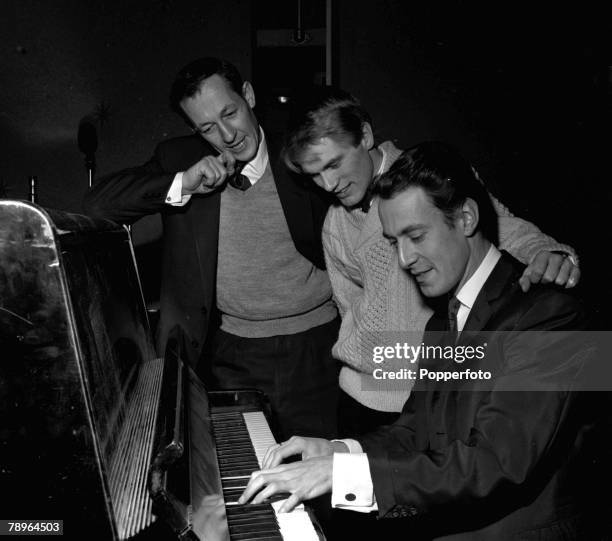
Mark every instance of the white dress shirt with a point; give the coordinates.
(253, 170)
(352, 486)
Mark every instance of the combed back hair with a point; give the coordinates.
(447, 179)
(189, 79)
(322, 112)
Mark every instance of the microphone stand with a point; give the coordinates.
(88, 144)
(90, 165)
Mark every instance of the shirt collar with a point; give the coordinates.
(470, 290)
(255, 169)
(366, 202)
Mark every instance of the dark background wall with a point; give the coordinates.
(525, 92)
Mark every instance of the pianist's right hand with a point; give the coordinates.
(306, 447)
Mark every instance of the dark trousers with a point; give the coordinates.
(355, 419)
(297, 373)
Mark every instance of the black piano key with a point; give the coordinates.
(240, 451)
(237, 456)
(234, 483)
(268, 534)
(237, 461)
(245, 459)
(275, 537)
(249, 509)
(230, 444)
(254, 528)
(256, 524)
(246, 447)
(232, 495)
(232, 437)
(236, 473)
(234, 466)
(246, 462)
(256, 518)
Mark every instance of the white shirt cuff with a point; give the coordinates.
(174, 196)
(352, 487)
(353, 445)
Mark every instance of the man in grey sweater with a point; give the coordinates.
(243, 266)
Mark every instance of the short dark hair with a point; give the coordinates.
(189, 79)
(318, 112)
(447, 179)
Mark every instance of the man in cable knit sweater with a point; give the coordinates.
(331, 140)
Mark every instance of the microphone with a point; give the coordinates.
(87, 139)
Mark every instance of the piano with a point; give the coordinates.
(96, 429)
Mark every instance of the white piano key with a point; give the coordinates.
(259, 432)
(296, 525)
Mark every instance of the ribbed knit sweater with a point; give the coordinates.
(380, 304)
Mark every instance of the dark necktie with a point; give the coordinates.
(238, 180)
(366, 202)
(453, 308)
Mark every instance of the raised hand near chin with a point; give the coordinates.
(208, 174)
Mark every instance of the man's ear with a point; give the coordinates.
(367, 137)
(469, 217)
(248, 94)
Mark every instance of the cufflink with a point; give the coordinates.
(350, 497)
(168, 198)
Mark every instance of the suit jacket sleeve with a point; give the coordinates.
(135, 192)
(514, 434)
(130, 194)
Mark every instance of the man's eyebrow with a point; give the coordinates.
(411, 228)
(325, 165)
(227, 107)
(221, 113)
(331, 161)
(407, 230)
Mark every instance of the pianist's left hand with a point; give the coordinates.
(305, 480)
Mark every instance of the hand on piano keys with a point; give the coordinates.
(296, 445)
(304, 480)
(263, 517)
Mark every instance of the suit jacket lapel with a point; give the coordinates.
(303, 216)
(297, 209)
(504, 275)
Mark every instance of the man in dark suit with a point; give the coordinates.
(243, 267)
(496, 440)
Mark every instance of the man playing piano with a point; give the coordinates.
(498, 458)
(241, 241)
(331, 140)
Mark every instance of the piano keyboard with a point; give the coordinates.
(241, 441)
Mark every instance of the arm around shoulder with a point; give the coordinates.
(523, 239)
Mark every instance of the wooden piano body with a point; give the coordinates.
(95, 429)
